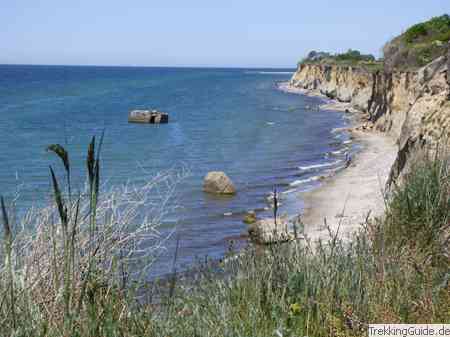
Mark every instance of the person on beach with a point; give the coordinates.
(348, 160)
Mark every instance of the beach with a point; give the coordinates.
(345, 200)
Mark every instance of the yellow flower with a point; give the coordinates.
(295, 308)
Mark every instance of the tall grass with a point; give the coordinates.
(79, 282)
(76, 267)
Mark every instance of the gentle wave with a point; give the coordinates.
(304, 181)
(342, 151)
(315, 166)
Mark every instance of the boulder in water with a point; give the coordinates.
(217, 182)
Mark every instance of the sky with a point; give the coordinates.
(200, 33)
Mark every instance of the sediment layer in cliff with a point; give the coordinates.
(412, 107)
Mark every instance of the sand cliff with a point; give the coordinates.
(411, 107)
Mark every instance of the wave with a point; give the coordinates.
(304, 181)
(316, 166)
(343, 151)
(339, 130)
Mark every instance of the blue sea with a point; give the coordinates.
(232, 120)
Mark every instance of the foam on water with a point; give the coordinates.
(304, 181)
(316, 166)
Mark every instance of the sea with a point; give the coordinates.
(233, 120)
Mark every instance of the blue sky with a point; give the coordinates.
(245, 33)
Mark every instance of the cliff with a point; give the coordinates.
(413, 107)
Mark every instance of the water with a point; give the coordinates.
(232, 120)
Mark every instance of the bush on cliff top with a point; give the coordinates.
(350, 57)
(437, 28)
(353, 58)
(419, 45)
(416, 47)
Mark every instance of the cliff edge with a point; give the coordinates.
(411, 106)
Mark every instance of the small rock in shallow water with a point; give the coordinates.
(250, 218)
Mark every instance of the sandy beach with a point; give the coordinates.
(345, 200)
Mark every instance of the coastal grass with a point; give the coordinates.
(77, 266)
(395, 270)
(75, 275)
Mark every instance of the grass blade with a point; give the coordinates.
(59, 201)
(8, 261)
(61, 152)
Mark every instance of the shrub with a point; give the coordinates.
(419, 45)
(434, 27)
(415, 32)
(351, 57)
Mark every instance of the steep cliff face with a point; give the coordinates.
(345, 84)
(411, 107)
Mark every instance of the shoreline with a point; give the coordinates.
(345, 200)
(331, 104)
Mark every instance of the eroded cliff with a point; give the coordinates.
(412, 107)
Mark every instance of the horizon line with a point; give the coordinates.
(147, 66)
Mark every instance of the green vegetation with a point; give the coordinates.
(354, 56)
(74, 268)
(74, 276)
(396, 270)
(350, 58)
(436, 29)
(419, 45)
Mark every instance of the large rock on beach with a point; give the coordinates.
(265, 231)
(217, 182)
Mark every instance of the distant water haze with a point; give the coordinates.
(232, 120)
